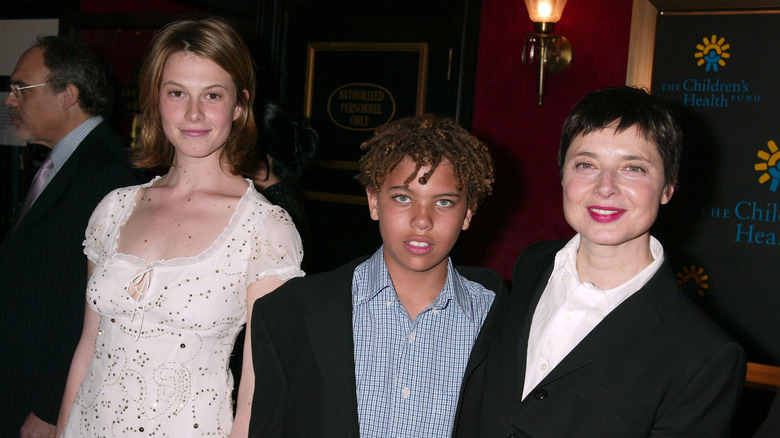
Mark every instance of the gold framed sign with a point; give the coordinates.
(351, 90)
(354, 88)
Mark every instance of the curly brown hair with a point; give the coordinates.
(426, 140)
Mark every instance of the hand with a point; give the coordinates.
(34, 427)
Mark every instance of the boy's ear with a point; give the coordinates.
(373, 207)
(467, 220)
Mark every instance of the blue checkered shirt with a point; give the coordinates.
(408, 373)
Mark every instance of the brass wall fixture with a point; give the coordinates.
(552, 53)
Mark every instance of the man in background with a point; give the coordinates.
(58, 98)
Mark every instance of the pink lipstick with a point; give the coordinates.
(605, 214)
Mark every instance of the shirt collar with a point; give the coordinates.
(566, 259)
(374, 276)
(456, 290)
(65, 147)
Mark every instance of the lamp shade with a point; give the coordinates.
(545, 11)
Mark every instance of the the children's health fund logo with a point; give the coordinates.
(756, 222)
(707, 89)
(769, 166)
(712, 53)
(693, 281)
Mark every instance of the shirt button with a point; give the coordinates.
(406, 392)
(388, 303)
(435, 311)
(543, 366)
(411, 337)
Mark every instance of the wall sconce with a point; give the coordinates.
(552, 52)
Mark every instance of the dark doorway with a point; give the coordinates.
(340, 227)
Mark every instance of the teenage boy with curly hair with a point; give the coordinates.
(378, 347)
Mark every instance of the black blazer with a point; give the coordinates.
(303, 355)
(656, 366)
(770, 428)
(43, 273)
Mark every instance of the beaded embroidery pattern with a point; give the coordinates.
(161, 359)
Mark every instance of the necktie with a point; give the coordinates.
(36, 187)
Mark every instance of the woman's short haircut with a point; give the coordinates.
(624, 107)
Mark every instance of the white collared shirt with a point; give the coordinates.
(68, 144)
(569, 309)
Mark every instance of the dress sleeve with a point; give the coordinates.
(99, 227)
(277, 248)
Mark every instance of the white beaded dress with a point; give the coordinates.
(161, 360)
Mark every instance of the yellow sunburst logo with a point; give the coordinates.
(712, 52)
(693, 280)
(769, 166)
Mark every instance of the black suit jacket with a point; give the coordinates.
(43, 273)
(656, 366)
(303, 355)
(770, 428)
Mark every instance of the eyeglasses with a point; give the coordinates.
(17, 89)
